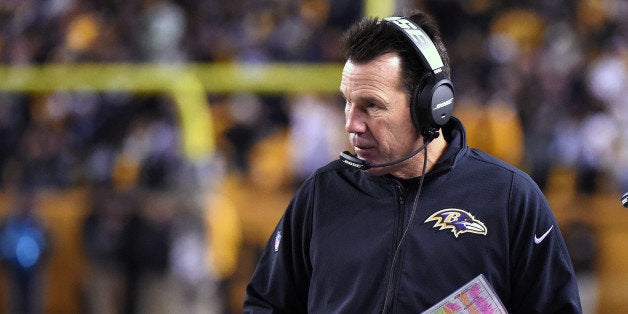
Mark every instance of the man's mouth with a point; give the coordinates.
(361, 148)
(363, 152)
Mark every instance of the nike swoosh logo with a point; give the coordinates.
(540, 239)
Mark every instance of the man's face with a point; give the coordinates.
(377, 113)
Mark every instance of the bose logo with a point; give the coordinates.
(444, 103)
(354, 164)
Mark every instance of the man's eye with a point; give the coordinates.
(372, 106)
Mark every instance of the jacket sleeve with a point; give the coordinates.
(281, 279)
(542, 275)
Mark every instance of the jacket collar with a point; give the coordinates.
(456, 136)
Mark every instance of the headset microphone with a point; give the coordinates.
(356, 162)
(624, 200)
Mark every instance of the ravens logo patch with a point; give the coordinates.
(458, 221)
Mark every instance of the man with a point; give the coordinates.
(372, 234)
(24, 250)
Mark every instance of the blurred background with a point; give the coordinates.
(148, 147)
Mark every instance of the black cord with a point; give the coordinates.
(394, 162)
(403, 235)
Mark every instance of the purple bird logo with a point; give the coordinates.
(457, 220)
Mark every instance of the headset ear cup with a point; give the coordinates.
(441, 103)
(432, 106)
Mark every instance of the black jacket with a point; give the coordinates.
(332, 251)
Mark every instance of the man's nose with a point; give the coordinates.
(354, 121)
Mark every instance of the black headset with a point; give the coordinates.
(432, 102)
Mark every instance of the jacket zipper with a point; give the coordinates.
(395, 269)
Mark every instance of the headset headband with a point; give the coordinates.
(422, 43)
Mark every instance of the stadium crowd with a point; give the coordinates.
(542, 84)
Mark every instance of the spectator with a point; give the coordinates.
(24, 246)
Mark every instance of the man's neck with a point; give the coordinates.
(414, 166)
